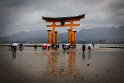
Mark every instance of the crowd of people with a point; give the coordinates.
(53, 46)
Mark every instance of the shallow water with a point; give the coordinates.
(102, 65)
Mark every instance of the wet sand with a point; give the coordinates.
(102, 65)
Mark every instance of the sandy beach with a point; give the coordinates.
(102, 65)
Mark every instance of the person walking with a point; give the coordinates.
(83, 48)
(89, 48)
(93, 45)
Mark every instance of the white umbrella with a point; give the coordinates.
(67, 44)
(15, 44)
(48, 44)
(89, 45)
(44, 44)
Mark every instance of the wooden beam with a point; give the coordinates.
(66, 25)
(66, 20)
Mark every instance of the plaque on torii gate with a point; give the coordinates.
(52, 37)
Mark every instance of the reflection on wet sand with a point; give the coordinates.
(52, 63)
(88, 56)
(14, 51)
(60, 63)
(58, 68)
(83, 56)
(71, 62)
(14, 54)
(69, 66)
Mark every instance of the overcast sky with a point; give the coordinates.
(26, 15)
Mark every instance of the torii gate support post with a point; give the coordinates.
(72, 33)
(56, 37)
(53, 33)
(74, 37)
(49, 36)
(69, 36)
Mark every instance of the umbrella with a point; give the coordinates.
(89, 45)
(67, 44)
(48, 44)
(44, 44)
(15, 44)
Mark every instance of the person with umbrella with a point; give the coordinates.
(89, 48)
(14, 46)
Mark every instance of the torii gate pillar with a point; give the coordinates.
(49, 36)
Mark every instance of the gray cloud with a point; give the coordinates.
(25, 15)
(11, 3)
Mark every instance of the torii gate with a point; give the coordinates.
(53, 37)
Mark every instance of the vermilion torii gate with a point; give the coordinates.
(53, 37)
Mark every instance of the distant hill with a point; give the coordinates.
(23, 36)
(109, 33)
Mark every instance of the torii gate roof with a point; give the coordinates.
(59, 19)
